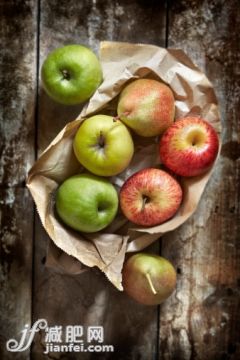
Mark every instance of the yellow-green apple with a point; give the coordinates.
(189, 146)
(71, 74)
(149, 279)
(150, 196)
(146, 106)
(103, 145)
(86, 202)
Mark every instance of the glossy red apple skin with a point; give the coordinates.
(150, 197)
(148, 278)
(189, 147)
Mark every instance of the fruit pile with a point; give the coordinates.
(104, 146)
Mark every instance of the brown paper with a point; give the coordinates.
(121, 62)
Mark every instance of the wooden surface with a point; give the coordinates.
(201, 319)
(18, 58)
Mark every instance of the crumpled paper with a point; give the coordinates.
(73, 252)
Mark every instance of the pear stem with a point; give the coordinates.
(150, 283)
(116, 118)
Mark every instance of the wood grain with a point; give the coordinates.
(16, 235)
(17, 94)
(201, 320)
(17, 90)
(89, 299)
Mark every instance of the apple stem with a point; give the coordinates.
(151, 284)
(66, 74)
(101, 139)
(145, 200)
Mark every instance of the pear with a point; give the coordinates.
(149, 279)
(147, 107)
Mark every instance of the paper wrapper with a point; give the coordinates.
(121, 62)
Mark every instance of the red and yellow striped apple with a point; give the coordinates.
(150, 197)
(147, 107)
(189, 146)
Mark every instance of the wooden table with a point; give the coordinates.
(201, 320)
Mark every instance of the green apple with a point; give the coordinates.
(103, 145)
(71, 74)
(149, 279)
(86, 202)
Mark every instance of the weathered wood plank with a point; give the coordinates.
(16, 234)
(202, 320)
(17, 89)
(17, 94)
(89, 299)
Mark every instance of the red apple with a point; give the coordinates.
(150, 197)
(149, 279)
(189, 146)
